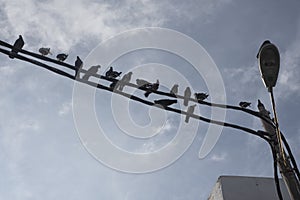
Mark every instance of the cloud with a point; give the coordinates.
(162, 138)
(201, 11)
(218, 157)
(65, 108)
(289, 75)
(63, 24)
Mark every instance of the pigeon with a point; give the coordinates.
(244, 104)
(189, 111)
(187, 95)
(91, 71)
(263, 110)
(112, 74)
(61, 57)
(263, 44)
(266, 114)
(201, 96)
(78, 65)
(143, 83)
(165, 102)
(45, 51)
(18, 45)
(152, 87)
(174, 90)
(125, 79)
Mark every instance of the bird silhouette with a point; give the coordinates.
(45, 51)
(143, 83)
(152, 87)
(125, 79)
(18, 45)
(111, 73)
(244, 104)
(78, 65)
(61, 57)
(189, 111)
(91, 71)
(263, 110)
(174, 90)
(165, 102)
(187, 95)
(201, 96)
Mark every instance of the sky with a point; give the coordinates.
(41, 149)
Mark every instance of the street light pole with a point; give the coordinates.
(269, 63)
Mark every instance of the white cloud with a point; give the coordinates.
(62, 24)
(65, 108)
(289, 76)
(218, 157)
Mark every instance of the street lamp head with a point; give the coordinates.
(269, 62)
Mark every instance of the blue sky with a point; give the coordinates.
(41, 154)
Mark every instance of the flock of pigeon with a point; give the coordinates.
(119, 85)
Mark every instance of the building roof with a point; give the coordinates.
(246, 188)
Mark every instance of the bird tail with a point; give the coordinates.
(120, 86)
(185, 102)
(147, 93)
(85, 77)
(187, 118)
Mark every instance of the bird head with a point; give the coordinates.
(259, 104)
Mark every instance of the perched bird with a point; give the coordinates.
(244, 104)
(189, 111)
(18, 45)
(143, 83)
(165, 102)
(174, 90)
(91, 71)
(78, 65)
(152, 87)
(45, 51)
(112, 74)
(187, 95)
(61, 57)
(267, 122)
(201, 96)
(263, 110)
(125, 79)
